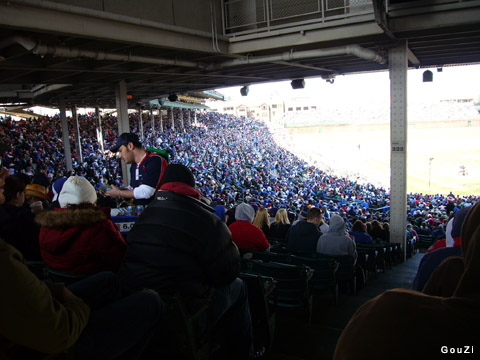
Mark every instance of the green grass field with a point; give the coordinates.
(367, 153)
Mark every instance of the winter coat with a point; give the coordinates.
(18, 228)
(179, 245)
(303, 236)
(30, 314)
(80, 241)
(361, 237)
(279, 230)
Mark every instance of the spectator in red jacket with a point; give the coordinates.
(246, 235)
(79, 238)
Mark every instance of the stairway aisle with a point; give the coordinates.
(297, 340)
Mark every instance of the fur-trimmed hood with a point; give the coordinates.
(63, 218)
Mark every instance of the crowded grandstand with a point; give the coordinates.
(233, 159)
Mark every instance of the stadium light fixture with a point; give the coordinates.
(244, 90)
(427, 76)
(298, 84)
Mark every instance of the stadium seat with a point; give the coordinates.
(266, 256)
(370, 256)
(345, 274)
(323, 279)
(188, 330)
(276, 240)
(63, 277)
(292, 288)
(424, 241)
(263, 315)
(38, 268)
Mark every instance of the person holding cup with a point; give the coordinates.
(36, 197)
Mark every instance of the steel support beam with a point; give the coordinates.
(172, 119)
(398, 63)
(123, 123)
(140, 119)
(78, 140)
(152, 121)
(160, 115)
(98, 119)
(265, 41)
(65, 136)
(116, 28)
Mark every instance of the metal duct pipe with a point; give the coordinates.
(355, 50)
(62, 51)
(26, 42)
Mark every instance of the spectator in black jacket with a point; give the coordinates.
(179, 245)
(304, 235)
(280, 226)
(17, 222)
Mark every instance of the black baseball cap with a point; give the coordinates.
(124, 139)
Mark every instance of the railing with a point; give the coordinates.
(253, 16)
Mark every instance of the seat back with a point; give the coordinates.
(324, 271)
(187, 330)
(263, 316)
(424, 241)
(292, 289)
(38, 268)
(63, 277)
(267, 256)
(276, 240)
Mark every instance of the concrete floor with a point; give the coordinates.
(295, 339)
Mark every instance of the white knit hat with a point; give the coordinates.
(77, 190)
(245, 212)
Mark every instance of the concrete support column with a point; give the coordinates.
(182, 115)
(172, 119)
(65, 136)
(98, 119)
(188, 117)
(123, 123)
(398, 62)
(78, 140)
(195, 115)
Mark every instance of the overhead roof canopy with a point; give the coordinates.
(51, 49)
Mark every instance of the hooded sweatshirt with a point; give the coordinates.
(401, 322)
(335, 241)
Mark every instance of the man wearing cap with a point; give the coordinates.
(145, 172)
(178, 245)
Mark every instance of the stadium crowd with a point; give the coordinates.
(331, 114)
(233, 160)
(235, 165)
